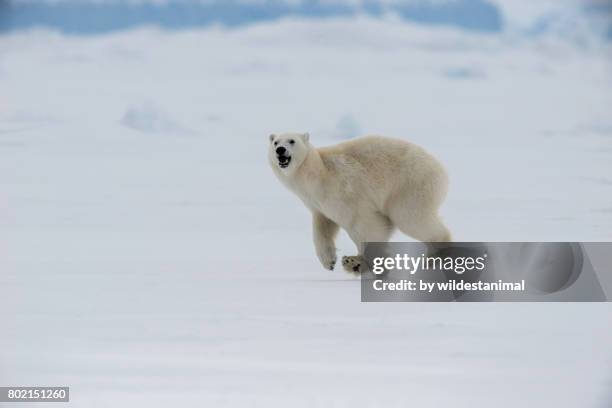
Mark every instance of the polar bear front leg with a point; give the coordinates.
(369, 228)
(324, 234)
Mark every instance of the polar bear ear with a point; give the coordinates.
(272, 136)
(305, 136)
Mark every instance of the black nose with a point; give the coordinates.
(280, 150)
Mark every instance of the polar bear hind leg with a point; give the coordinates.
(423, 225)
(414, 209)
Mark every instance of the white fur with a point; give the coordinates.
(367, 186)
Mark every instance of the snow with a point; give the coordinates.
(151, 120)
(149, 257)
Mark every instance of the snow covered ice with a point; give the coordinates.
(148, 256)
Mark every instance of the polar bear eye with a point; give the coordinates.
(291, 141)
(275, 143)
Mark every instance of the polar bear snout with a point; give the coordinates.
(283, 156)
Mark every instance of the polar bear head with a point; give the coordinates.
(287, 151)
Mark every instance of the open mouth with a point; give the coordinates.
(283, 161)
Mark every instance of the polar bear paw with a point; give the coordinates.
(353, 264)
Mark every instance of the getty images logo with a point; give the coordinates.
(414, 264)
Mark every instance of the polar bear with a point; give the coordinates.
(367, 186)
